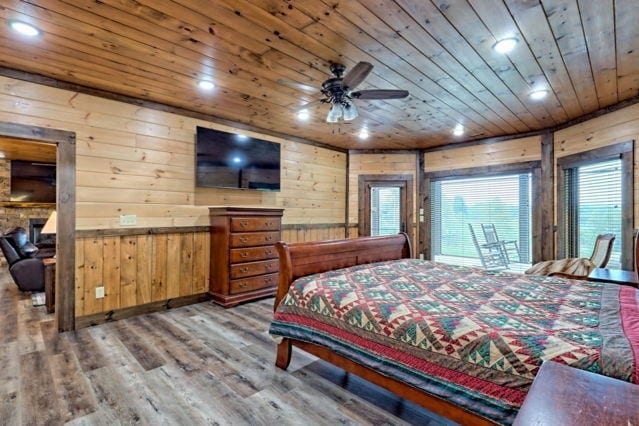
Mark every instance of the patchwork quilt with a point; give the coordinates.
(473, 337)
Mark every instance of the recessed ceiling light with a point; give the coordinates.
(205, 85)
(458, 130)
(242, 137)
(363, 134)
(237, 160)
(303, 114)
(505, 45)
(24, 28)
(538, 94)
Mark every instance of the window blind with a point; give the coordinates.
(385, 210)
(503, 201)
(593, 200)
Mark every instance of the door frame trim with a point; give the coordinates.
(65, 206)
(407, 180)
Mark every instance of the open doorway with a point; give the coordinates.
(39, 149)
(385, 205)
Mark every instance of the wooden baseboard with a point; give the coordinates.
(147, 308)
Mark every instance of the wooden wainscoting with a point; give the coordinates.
(298, 233)
(139, 266)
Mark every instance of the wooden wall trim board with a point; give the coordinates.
(346, 195)
(484, 170)
(59, 84)
(298, 226)
(65, 206)
(384, 151)
(87, 233)
(422, 215)
(147, 308)
(547, 197)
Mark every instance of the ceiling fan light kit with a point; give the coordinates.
(338, 91)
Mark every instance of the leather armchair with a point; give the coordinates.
(25, 267)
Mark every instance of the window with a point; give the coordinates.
(503, 201)
(593, 199)
(385, 210)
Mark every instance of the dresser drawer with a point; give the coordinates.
(246, 224)
(241, 255)
(242, 270)
(253, 283)
(250, 239)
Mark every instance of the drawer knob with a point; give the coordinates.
(243, 285)
(268, 266)
(269, 238)
(242, 223)
(244, 269)
(268, 252)
(269, 279)
(243, 239)
(244, 254)
(268, 223)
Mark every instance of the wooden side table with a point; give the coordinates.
(617, 276)
(49, 283)
(568, 396)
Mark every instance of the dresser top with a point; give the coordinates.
(244, 211)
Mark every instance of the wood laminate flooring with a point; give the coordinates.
(198, 364)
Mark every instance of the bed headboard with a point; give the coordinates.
(300, 259)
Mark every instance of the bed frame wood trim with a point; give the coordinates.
(300, 259)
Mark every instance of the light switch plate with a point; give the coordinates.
(99, 292)
(128, 219)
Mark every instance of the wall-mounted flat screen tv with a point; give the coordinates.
(32, 182)
(229, 160)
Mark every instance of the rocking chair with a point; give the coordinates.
(491, 254)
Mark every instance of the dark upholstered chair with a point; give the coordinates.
(25, 265)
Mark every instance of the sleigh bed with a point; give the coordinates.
(462, 342)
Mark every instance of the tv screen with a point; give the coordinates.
(32, 182)
(228, 160)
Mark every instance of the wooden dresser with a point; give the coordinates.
(244, 264)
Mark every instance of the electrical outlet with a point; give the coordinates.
(99, 292)
(128, 219)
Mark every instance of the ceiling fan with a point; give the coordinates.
(338, 91)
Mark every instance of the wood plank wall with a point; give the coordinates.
(135, 160)
(139, 269)
(313, 187)
(376, 164)
(506, 152)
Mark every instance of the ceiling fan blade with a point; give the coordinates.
(309, 105)
(296, 85)
(356, 75)
(379, 94)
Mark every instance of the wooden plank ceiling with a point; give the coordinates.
(585, 52)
